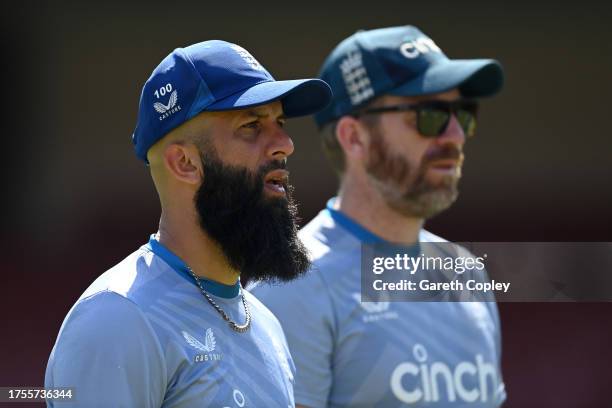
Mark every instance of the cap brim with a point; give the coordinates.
(299, 97)
(474, 78)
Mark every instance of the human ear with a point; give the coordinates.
(351, 136)
(183, 162)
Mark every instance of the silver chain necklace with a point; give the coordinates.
(235, 326)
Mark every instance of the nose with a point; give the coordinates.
(453, 133)
(280, 145)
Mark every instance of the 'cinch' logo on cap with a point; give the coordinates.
(422, 45)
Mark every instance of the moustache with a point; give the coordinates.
(264, 169)
(272, 165)
(447, 151)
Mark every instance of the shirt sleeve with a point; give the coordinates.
(305, 312)
(109, 354)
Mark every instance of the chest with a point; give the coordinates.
(436, 353)
(218, 367)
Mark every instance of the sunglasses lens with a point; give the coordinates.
(432, 122)
(467, 120)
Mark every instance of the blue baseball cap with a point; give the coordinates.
(399, 61)
(215, 76)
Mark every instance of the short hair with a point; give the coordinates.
(332, 149)
(329, 141)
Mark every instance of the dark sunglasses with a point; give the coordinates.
(433, 116)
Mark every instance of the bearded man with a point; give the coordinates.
(171, 325)
(394, 132)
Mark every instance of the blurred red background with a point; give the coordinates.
(77, 200)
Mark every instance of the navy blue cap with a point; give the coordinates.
(399, 61)
(215, 76)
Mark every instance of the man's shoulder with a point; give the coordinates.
(450, 248)
(315, 234)
(119, 278)
(104, 303)
(116, 301)
(107, 334)
(326, 247)
(308, 294)
(310, 282)
(327, 242)
(330, 252)
(119, 299)
(127, 278)
(104, 316)
(263, 313)
(426, 236)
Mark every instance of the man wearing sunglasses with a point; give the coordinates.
(394, 133)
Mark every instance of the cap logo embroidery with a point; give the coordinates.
(422, 45)
(356, 80)
(247, 57)
(169, 108)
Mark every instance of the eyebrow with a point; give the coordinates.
(261, 115)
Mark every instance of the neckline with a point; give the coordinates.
(178, 265)
(363, 234)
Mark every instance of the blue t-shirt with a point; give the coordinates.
(143, 335)
(380, 354)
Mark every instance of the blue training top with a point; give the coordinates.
(143, 335)
(380, 354)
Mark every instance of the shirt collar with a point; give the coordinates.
(360, 232)
(178, 265)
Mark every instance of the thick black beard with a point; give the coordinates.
(257, 234)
